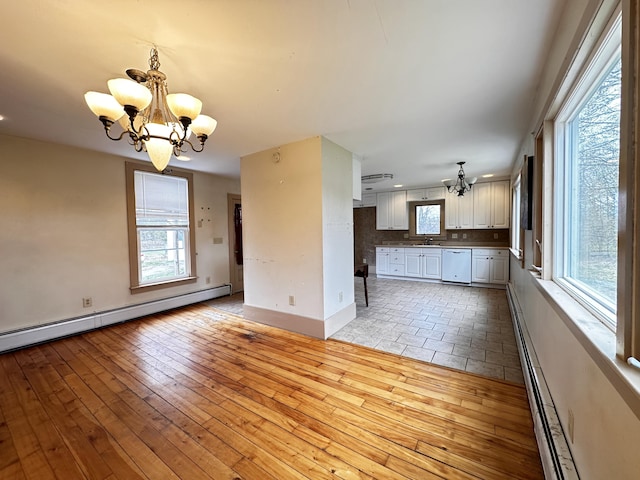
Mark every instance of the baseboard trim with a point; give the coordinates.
(311, 327)
(43, 333)
(555, 455)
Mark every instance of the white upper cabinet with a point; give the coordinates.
(419, 194)
(459, 211)
(392, 212)
(491, 205)
(368, 200)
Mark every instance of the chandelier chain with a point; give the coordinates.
(154, 61)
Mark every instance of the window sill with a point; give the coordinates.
(157, 286)
(598, 341)
(516, 254)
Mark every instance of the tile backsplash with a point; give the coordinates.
(366, 237)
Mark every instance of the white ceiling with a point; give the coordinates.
(410, 86)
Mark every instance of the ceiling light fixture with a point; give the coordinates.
(378, 177)
(158, 122)
(462, 184)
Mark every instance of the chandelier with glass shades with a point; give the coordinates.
(461, 184)
(156, 121)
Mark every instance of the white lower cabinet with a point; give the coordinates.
(396, 261)
(382, 260)
(413, 263)
(433, 264)
(490, 266)
(423, 263)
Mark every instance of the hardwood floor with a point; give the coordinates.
(200, 393)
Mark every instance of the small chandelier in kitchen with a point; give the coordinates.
(156, 121)
(461, 184)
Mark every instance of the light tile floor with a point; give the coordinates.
(465, 328)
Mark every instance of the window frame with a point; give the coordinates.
(412, 220)
(134, 273)
(516, 231)
(628, 325)
(603, 56)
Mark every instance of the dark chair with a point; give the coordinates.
(362, 270)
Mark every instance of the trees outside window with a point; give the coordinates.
(428, 220)
(588, 169)
(593, 189)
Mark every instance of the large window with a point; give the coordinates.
(589, 139)
(160, 227)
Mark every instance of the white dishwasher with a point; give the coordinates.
(456, 265)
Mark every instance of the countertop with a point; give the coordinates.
(444, 245)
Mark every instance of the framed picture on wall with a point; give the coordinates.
(526, 194)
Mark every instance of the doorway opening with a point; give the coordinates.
(236, 272)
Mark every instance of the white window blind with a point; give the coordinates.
(162, 227)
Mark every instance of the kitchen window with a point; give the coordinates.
(426, 220)
(161, 237)
(588, 151)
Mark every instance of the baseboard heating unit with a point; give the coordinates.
(43, 333)
(557, 461)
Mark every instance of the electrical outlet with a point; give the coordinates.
(406, 235)
(292, 300)
(87, 302)
(495, 236)
(571, 425)
(364, 260)
(454, 235)
(340, 297)
(464, 235)
(217, 240)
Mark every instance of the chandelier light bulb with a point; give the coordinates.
(128, 92)
(184, 105)
(104, 105)
(158, 145)
(203, 125)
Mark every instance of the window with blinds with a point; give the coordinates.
(160, 230)
(162, 226)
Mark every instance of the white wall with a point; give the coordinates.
(298, 236)
(282, 228)
(337, 220)
(64, 233)
(606, 429)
